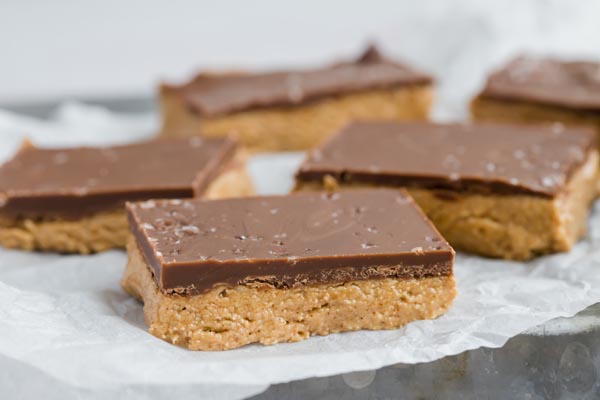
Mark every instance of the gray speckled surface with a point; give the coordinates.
(560, 361)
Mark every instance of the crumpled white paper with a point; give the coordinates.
(66, 324)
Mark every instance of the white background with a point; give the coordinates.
(65, 48)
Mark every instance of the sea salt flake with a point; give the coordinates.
(454, 176)
(417, 250)
(192, 229)
(548, 181)
(148, 204)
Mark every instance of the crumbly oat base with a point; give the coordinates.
(226, 318)
(517, 227)
(485, 109)
(104, 230)
(296, 128)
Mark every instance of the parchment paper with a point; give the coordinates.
(65, 323)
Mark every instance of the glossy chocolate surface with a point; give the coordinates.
(287, 241)
(570, 84)
(211, 95)
(74, 182)
(494, 158)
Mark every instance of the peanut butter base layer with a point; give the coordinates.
(517, 227)
(301, 127)
(484, 109)
(104, 230)
(226, 318)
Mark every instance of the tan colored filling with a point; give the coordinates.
(300, 127)
(233, 181)
(487, 109)
(91, 234)
(226, 318)
(104, 230)
(515, 227)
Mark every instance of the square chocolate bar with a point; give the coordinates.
(72, 200)
(541, 89)
(295, 110)
(219, 274)
(509, 191)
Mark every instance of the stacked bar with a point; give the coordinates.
(72, 200)
(220, 274)
(295, 110)
(504, 191)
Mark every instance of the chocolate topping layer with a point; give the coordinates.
(574, 85)
(212, 95)
(70, 183)
(286, 241)
(535, 160)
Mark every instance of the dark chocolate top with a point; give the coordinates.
(574, 85)
(77, 181)
(212, 95)
(496, 158)
(286, 241)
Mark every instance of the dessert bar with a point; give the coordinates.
(295, 110)
(535, 89)
(219, 274)
(72, 200)
(509, 191)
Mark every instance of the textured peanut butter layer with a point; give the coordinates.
(72, 200)
(208, 270)
(499, 190)
(294, 110)
(531, 89)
